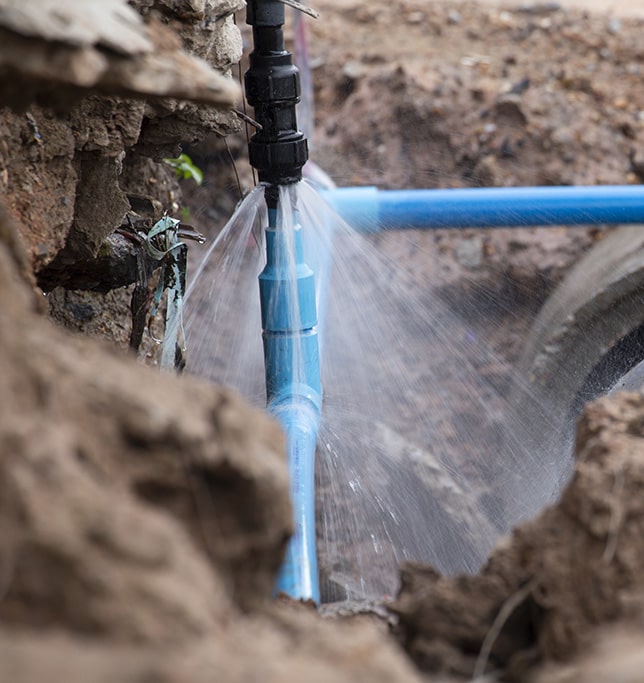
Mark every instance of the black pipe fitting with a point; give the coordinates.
(278, 150)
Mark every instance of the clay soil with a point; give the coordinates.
(165, 489)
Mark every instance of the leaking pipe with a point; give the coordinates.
(371, 209)
(293, 387)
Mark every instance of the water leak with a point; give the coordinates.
(421, 455)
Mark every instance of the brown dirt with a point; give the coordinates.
(143, 517)
(544, 593)
(453, 95)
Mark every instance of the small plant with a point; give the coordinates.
(185, 168)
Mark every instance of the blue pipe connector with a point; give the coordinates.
(289, 318)
(369, 209)
(293, 387)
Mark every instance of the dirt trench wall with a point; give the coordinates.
(76, 141)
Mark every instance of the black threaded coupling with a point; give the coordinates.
(279, 150)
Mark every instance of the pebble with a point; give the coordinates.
(506, 19)
(454, 17)
(562, 136)
(415, 17)
(509, 106)
(353, 70)
(469, 252)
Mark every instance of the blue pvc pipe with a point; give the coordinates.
(293, 388)
(370, 209)
(298, 575)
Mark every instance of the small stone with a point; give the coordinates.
(508, 106)
(353, 70)
(469, 252)
(454, 17)
(562, 136)
(417, 17)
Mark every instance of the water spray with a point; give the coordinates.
(278, 151)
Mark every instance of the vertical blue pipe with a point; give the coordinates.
(293, 387)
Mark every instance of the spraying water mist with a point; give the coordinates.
(419, 455)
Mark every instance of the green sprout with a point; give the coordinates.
(185, 168)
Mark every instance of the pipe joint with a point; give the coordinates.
(299, 398)
(278, 150)
(265, 13)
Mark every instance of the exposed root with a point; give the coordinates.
(499, 622)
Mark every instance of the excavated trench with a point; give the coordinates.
(143, 516)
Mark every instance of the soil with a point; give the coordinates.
(143, 516)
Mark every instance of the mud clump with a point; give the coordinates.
(544, 593)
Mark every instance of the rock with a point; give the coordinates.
(469, 252)
(51, 46)
(545, 591)
(508, 108)
(67, 167)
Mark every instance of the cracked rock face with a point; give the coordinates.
(94, 89)
(102, 45)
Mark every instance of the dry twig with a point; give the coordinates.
(504, 614)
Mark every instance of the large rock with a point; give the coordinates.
(54, 48)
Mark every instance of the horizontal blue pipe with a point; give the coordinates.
(370, 209)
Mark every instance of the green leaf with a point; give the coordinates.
(185, 168)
